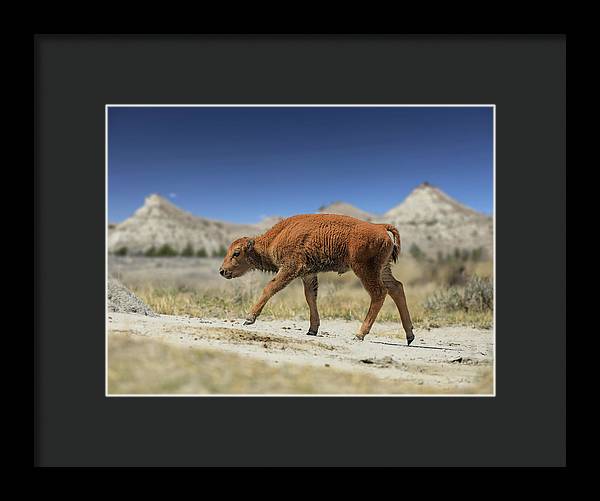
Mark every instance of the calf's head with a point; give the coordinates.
(236, 262)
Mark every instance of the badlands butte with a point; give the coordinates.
(428, 220)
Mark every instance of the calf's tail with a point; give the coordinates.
(396, 249)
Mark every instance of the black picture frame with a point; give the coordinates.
(77, 75)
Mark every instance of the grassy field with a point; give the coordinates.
(146, 366)
(438, 294)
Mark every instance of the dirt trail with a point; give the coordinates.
(457, 357)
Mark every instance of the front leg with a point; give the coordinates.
(311, 285)
(280, 281)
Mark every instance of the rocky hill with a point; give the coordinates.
(431, 220)
(158, 222)
(267, 222)
(436, 222)
(428, 219)
(347, 210)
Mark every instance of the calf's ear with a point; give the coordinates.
(250, 244)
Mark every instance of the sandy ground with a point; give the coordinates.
(448, 357)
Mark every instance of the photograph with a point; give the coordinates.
(300, 250)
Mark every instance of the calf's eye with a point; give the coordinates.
(236, 254)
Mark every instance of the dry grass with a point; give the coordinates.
(339, 296)
(146, 366)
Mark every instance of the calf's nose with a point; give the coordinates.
(222, 272)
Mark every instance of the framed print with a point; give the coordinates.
(303, 250)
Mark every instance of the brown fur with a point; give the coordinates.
(304, 245)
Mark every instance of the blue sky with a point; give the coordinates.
(242, 163)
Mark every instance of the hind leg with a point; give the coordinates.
(370, 277)
(311, 285)
(396, 290)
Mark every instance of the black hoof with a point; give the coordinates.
(249, 321)
(410, 339)
(311, 333)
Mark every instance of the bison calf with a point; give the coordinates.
(302, 246)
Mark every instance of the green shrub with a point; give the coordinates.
(188, 251)
(122, 251)
(166, 251)
(151, 252)
(416, 252)
(477, 254)
(221, 252)
(456, 274)
(446, 300)
(477, 295)
(201, 252)
(462, 255)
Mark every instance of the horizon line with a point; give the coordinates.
(168, 199)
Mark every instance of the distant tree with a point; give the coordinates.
(477, 254)
(188, 251)
(151, 252)
(457, 253)
(465, 255)
(122, 251)
(166, 251)
(220, 252)
(201, 252)
(416, 252)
